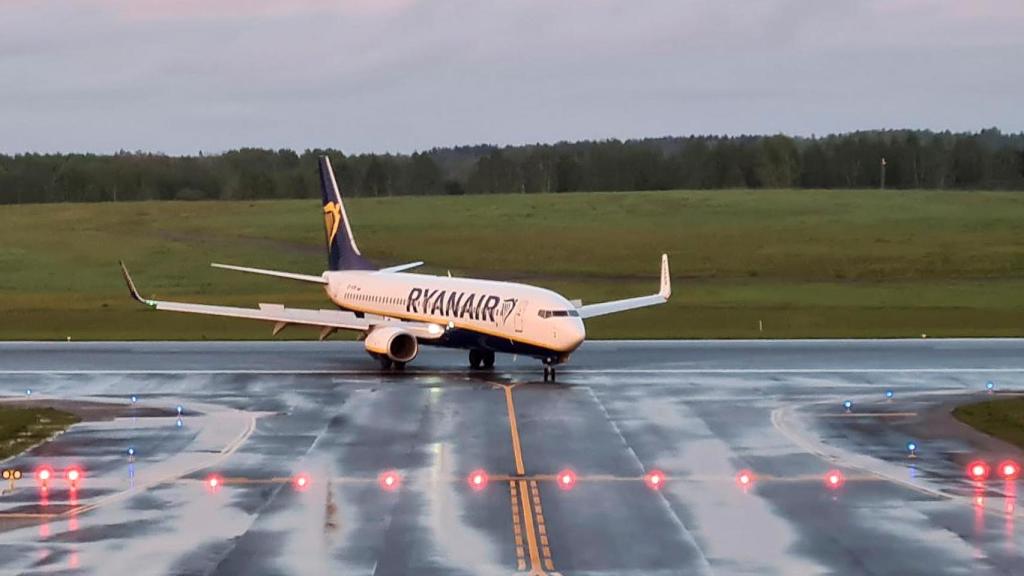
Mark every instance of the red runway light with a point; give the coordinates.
(478, 480)
(654, 479)
(44, 474)
(389, 481)
(566, 479)
(73, 475)
(214, 482)
(745, 478)
(834, 479)
(978, 470)
(302, 482)
(1009, 470)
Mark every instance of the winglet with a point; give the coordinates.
(131, 285)
(666, 280)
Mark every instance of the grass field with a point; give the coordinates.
(22, 428)
(1002, 418)
(805, 263)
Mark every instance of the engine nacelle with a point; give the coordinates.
(395, 343)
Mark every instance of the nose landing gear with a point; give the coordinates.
(549, 371)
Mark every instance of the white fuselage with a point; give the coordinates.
(505, 316)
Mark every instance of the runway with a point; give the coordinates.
(256, 415)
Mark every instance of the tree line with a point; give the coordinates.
(987, 159)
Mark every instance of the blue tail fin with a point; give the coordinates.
(342, 252)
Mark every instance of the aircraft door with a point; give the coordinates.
(519, 315)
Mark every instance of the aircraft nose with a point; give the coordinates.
(577, 333)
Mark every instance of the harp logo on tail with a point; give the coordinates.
(332, 219)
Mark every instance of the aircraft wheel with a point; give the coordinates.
(488, 359)
(476, 357)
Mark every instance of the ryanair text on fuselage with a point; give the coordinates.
(482, 307)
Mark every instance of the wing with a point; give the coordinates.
(664, 293)
(328, 320)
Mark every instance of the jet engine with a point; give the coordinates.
(393, 343)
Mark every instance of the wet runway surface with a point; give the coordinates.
(566, 484)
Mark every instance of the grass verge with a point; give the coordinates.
(22, 428)
(1002, 418)
(745, 264)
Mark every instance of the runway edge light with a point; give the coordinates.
(566, 479)
(745, 479)
(654, 479)
(834, 479)
(73, 475)
(389, 480)
(1009, 469)
(214, 482)
(978, 470)
(478, 480)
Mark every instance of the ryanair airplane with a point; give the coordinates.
(395, 311)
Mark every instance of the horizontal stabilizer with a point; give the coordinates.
(402, 267)
(275, 273)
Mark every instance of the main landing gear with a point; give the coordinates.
(481, 359)
(387, 364)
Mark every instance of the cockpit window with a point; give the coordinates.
(557, 313)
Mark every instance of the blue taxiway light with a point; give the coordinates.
(134, 398)
(911, 447)
(131, 451)
(889, 394)
(179, 423)
(28, 392)
(848, 404)
(989, 385)
(180, 409)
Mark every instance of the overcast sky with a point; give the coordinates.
(401, 75)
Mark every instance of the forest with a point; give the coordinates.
(900, 159)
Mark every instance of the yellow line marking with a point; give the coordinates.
(517, 451)
(531, 538)
(542, 529)
(514, 427)
(516, 528)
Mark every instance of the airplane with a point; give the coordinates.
(395, 311)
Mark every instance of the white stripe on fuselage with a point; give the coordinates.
(502, 309)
